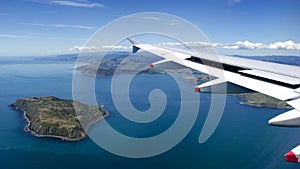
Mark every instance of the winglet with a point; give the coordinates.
(134, 43)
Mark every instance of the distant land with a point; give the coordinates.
(290, 60)
(62, 57)
(261, 100)
(120, 63)
(140, 63)
(50, 116)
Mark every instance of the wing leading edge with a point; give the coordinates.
(273, 79)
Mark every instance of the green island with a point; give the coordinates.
(50, 116)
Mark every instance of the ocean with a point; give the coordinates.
(243, 139)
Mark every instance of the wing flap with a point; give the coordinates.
(273, 76)
(166, 64)
(297, 90)
(288, 119)
(295, 103)
(219, 86)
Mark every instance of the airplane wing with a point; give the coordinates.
(273, 79)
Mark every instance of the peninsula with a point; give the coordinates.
(139, 63)
(119, 64)
(50, 116)
(261, 100)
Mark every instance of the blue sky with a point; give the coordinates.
(254, 27)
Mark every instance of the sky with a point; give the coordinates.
(243, 27)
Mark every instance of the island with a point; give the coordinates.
(50, 116)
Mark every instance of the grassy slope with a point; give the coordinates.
(51, 116)
(261, 100)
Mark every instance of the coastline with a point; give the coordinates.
(260, 100)
(33, 133)
(248, 103)
(27, 129)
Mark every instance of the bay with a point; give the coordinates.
(243, 138)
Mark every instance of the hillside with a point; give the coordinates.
(54, 117)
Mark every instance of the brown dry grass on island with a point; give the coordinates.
(54, 117)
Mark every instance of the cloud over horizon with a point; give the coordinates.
(15, 36)
(72, 3)
(234, 2)
(239, 45)
(97, 48)
(243, 45)
(60, 25)
(247, 45)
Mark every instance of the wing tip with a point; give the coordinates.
(134, 43)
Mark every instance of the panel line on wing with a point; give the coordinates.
(273, 76)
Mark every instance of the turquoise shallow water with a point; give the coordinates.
(243, 138)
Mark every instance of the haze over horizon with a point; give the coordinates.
(242, 27)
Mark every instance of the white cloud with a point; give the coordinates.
(242, 45)
(61, 26)
(249, 45)
(149, 18)
(72, 3)
(287, 45)
(234, 2)
(191, 44)
(170, 44)
(143, 17)
(98, 48)
(62, 38)
(201, 44)
(245, 45)
(15, 36)
(83, 48)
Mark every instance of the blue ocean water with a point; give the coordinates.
(243, 138)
